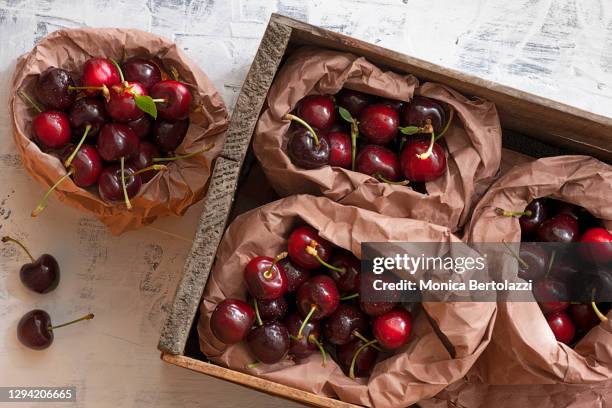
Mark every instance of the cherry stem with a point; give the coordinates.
(312, 251)
(102, 88)
(43, 201)
(76, 149)
(598, 312)
(550, 263)
(448, 122)
(385, 180)
(268, 273)
(354, 136)
(349, 297)
(424, 156)
(159, 100)
(313, 308)
(174, 73)
(156, 167)
(302, 122)
(365, 339)
(125, 193)
(253, 364)
(515, 255)
(506, 213)
(257, 315)
(10, 239)
(185, 156)
(354, 360)
(86, 317)
(30, 101)
(313, 340)
(118, 69)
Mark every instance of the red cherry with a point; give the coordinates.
(583, 316)
(378, 162)
(348, 279)
(345, 324)
(87, 165)
(551, 295)
(305, 345)
(173, 99)
(535, 213)
(393, 328)
(339, 149)
(353, 101)
(317, 298)
(141, 126)
(318, 111)
(52, 129)
(419, 164)
(121, 104)
(110, 187)
(358, 356)
(561, 326)
(98, 72)
(597, 245)
(421, 111)
(265, 278)
(379, 123)
(307, 249)
(117, 140)
(231, 321)
(146, 153)
(296, 275)
(560, 228)
(143, 71)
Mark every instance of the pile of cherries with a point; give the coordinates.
(40, 275)
(584, 275)
(308, 299)
(107, 131)
(393, 141)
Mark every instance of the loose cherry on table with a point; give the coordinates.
(339, 149)
(53, 88)
(378, 123)
(35, 330)
(561, 326)
(308, 342)
(88, 112)
(232, 320)
(143, 71)
(172, 99)
(380, 163)
(98, 75)
(296, 275)
(317, 298)
(42, 274)
(423, 161)
(357, 358)
(422, 111)
(597, 245)
(353, 101)
(559, 228)
(51, 128)
(269, 343)
(271, 310)
(393, 328)
(265, 278)
(345, 324)
(318, 111)
(307, 249)
(169, 134)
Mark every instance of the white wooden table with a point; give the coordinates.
(561, 49)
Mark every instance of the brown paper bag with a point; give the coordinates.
(169, 192)
(473, 143)
(419, 370)
(524, 349)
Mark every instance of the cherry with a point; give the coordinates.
(318, 111)
(53, 88)
(394, 104)
(423, 161)
(561, 326)
(86, 166)
(121, 103)
(88, 111)
(345, 324)
(393, 328)
(111, 184)
(310, 340)
(52, 129)
(583, 316)
(379, 123)
(596, 245)
(141, 126)
(98, 75)
(563, 207)
(339, 149)
(422, 111)
(172, 98)
(317, 298)
(117, 140)
(35, 331)
(552, 295)
(141, 70)
(559, 228)
(535, 213)
(353, 101)
(144, 159)
(41, 275)
(265, 278)
(307, 249)
(296, 275)
(347, 279)
(379, 307)
(378, 162)
(231, 320)
(308, 150)
(170, 134)
(271, 310)
(357, 358)
(269, 343)
(534, 261)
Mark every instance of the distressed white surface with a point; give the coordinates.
(561, 49)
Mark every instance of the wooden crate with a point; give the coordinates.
(531, 124)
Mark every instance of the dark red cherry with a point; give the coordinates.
(538, 212)
(146, 153)
(42, 274)
(382, 304)
(143, 71)
(269, 343)
(347, 281)
(378, 123)
(305, 150)
(110, 187)
(364, 362)
(303, 346)
(296, 275)
(353, 101)
(88, 111)
(265, 278)
(117, 140)
(172, 98)
(272, 310)
(378, 162)
(98, 72)
(552, 295)
(231, 321)
(141, 126)
(561, 326)
(559, 228)
(318, 297)
(534, 261)
(596, 245)
(583, 316)
(121, 104)
(394, 104)
(52, 129)
(420, 165)
(35, 330)
(170, 134)
(345, 324)
(318, 111)
(305, 237)
(563, 207)
(393, 328)
(53, 88)
(339, 149)
(87, 166)
(421, 111)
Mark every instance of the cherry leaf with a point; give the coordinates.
(145, 103)
(410, 130)
(345, 114)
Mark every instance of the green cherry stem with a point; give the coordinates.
(78, 146)
(159, 100)
(118, 69)
(43, 201)
(86, 317)
(596, 309)
(354, 360)
(257, 315)
(385, 180)
(185, 156)
(302, 122)
(365, 339)
(448, 123)
(506, 213)
(349, 297)
(550, 263)
(125, 193)
(424, 156)
(253, 364)
(268, 273)
(312, 251)
(156, 167)
(313, 340)
(313, 309)
(354, 136)
(30, 101)
(515, 255)
(16, 241)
